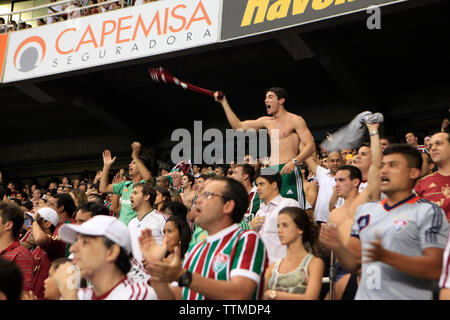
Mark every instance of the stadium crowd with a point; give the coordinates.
(70, 10)
(376, 213)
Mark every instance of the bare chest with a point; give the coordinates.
(280, 128)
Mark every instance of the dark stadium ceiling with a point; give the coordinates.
(332, 71)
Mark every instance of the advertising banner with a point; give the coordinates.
(3, 46)
(114, 36)
(248, 17)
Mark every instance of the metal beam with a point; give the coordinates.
(34, 92)
(295, 45)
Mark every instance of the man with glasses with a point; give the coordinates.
(229, 264)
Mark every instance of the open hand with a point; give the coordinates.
(108, 160)
(167, 271)
(152, 252)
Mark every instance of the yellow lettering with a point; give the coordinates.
(252, 5)
(278, 10)
(321, 4)
(299, 6)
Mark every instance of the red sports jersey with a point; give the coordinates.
(436, 188)
(42, 262)
(24, 260)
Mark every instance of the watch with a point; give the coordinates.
(272, 294)
(372, 133)
(295, 161)
(185, 279)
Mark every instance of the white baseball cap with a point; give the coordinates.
(50, 215)
(99, 226)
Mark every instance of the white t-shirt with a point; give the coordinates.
(153, 221)
(269, 230)
(127, 289)
(326, 183)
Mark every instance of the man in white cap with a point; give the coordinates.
(102, 251)
(44, 223)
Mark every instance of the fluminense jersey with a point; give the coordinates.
(408, 228)
(127, 289)
(228, 253)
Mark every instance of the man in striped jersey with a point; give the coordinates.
(229, 264)
(102, 251)
(402, 236)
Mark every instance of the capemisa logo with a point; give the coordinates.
(29, 54)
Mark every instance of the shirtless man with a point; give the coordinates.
(187, 183)
(292, 130)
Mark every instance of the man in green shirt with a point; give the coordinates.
(137, 171)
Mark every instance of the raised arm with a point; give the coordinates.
(105, 186)
(143, 171)
(39, 236)
(372, 191)
(233, 120)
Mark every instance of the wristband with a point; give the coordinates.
(373, 133)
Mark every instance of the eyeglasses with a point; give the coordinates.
(208, 195)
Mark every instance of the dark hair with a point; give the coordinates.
(248, 170)
(98, 199)
(145, 161)
(11, 279)
(205, 176)
(27, 204)
(16, 201)
(190, 178)
(270, 175)
(10, 211)
(221, 168)
(66, 201)
(165, 193)
(279, 92)
(96, 186)
(185, 233)
(94, 208)
(123, 260)
(147, 189)
(177, 208)
(24, 195)
(235, 191)
(411, 154)
(355, 173)
(310, 229)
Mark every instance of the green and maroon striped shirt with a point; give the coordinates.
(231, 252)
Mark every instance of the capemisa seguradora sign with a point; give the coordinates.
(114, 36)
(248, 17)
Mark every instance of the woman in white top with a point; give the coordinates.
(298, 276)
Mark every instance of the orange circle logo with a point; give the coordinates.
(29, 54)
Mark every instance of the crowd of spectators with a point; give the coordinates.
(70, 10)
(154, 228)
